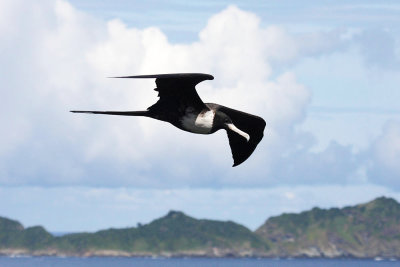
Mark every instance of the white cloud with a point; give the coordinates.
(387, 147)
(55, 58)
(67, 58)
(384, 168)
(58, 59)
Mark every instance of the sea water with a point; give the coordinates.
(188, 262)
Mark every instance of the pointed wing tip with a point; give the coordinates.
(241, 149)
(237, 163)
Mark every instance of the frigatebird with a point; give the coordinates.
(180, 105)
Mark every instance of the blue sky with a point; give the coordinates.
(323, 74)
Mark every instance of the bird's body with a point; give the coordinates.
(180, 105)
(200, 123)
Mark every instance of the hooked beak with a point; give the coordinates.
(238, 131)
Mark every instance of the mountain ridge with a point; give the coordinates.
(365, 230)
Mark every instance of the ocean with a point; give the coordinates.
(187, 262)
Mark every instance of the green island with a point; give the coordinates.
(363, 231)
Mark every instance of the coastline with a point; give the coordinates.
(364, 231)
(19, 253)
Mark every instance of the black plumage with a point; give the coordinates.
(180, 105)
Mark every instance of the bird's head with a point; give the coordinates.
(223, 121)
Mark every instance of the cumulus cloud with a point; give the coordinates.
(384, 167)
(58, 57)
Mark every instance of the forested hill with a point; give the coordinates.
(366, 231)
(175, 234)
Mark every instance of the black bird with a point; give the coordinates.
(180, 105)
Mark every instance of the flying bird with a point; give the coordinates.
(180, 105)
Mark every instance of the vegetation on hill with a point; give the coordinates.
(365, 230)
(173, 234)
(13, 235)
(176, 232)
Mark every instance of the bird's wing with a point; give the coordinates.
(252, 125)
(177, 90)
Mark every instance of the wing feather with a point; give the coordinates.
(196, 76)
(177, 91)
(251, 124)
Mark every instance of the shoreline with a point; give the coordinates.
(22, 253)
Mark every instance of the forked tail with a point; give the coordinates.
(122, 113)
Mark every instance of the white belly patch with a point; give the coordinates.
(201, 124)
